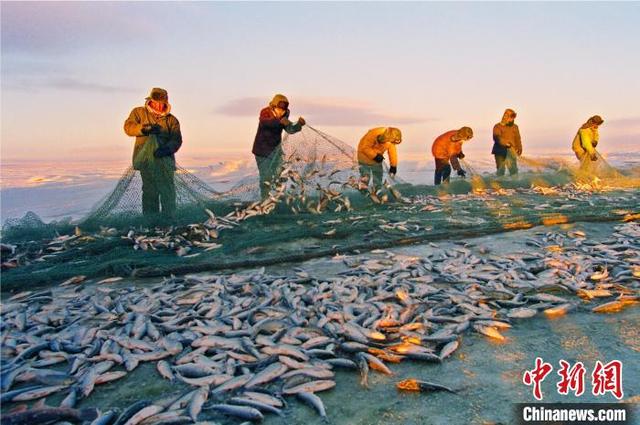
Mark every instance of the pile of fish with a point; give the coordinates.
(299, 190)
(293, 190)
(308, 189)
(240, 344)
(182, 240)
(14, 256)
(290, 188)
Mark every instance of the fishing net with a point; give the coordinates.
(312, 161)
(125, 203)
(316, 205)
(310, 165)
(31, 227)
(309, 154)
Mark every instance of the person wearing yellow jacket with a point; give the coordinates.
(371, 150)
(585, 141)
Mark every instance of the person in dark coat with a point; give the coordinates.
(267, 147)
(507, 144)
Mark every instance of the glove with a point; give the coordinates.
(393, 170)
(301, 121)
(461, 155)
(594, 157)
(151, 129)
(379, 158)
(162, 152)
(462, 173)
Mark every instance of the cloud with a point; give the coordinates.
(625, 121)
(55, 27)
(74, 84)
(64, 83)
(621, 132)
(324, 111)
(629, 123)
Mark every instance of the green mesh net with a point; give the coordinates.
(310, 166)
(315, 161)
(124, 205)
(316, 205)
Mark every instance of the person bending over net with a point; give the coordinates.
(158, 138)
(267, 147)
(371, 150)
(507, 145)
(585, 142)
(447, 150)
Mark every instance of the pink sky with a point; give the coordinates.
(71, 72)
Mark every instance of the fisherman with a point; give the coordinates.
(267, 146)
(507, 145)
(371, 151)
(585, 142)
(155, 119)
(447, 151)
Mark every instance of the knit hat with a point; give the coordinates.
(159, 95)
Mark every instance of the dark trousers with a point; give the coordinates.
(269, 169)
(372, 173)
(508, 161)
(443, 171)
(158, 188)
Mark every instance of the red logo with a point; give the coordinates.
(606, 378)
(536, 376)
(571, 379)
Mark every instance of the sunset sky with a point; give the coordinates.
(71, 72)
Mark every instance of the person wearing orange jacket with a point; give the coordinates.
(371, 150)
(447, 150)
